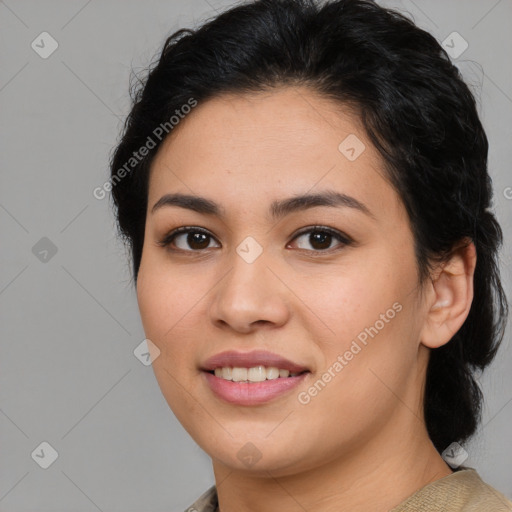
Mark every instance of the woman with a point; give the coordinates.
(304, 189)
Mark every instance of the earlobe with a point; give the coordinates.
(449, 298)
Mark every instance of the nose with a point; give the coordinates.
(250, 295)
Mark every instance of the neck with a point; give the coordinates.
(377, 476)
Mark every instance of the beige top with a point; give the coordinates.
(462, 491)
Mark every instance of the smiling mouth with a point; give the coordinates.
(253, 374)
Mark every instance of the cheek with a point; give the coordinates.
(164, 294)
(371, 315)
(353, 297)
(167, 303)
(168, 309)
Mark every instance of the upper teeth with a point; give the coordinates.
(254, 374)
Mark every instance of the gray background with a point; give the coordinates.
(70, 322)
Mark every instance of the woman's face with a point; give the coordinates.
(328, 283)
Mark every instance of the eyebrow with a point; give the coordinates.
(278, 209)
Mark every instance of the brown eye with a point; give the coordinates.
(188, 239)
(195, 240)
(320, 239)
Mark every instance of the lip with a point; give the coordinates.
(232, 358)
(251, 393)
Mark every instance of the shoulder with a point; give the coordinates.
(207, 502)
(462, 491)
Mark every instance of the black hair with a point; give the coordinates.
(416, 110)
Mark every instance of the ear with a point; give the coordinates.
(449, 297)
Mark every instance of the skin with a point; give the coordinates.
(360, 444)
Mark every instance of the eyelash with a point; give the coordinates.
(342, 238)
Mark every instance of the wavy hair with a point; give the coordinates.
(416, 110)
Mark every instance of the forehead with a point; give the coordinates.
(266, 144)
(295, 118)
